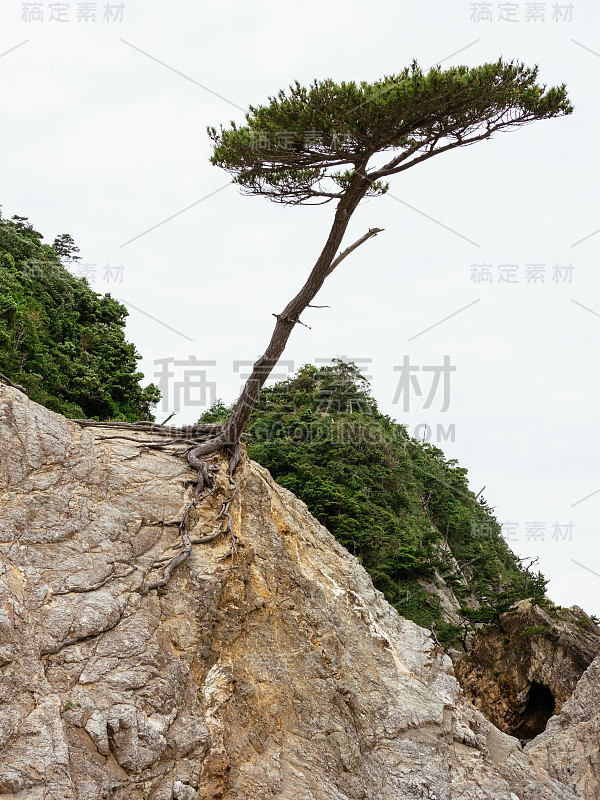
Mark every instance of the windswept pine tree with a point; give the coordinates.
(342, 142)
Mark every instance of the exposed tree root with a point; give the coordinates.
(206, 475)
(83, 590)
(52, 651)
(201, 440)
(224, 512)
(173, 562)
(189, 431)
(8, 382)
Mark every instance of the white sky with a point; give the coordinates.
(100, 140)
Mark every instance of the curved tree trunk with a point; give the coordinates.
(229, 436)
(290, 316)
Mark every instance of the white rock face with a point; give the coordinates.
(284, 674)
(569, 748)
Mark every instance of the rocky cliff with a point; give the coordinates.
(273, 670)
(521, 670)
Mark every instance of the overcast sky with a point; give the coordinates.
(488, 262)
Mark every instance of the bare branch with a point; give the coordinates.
(295, 321)
(371, 232)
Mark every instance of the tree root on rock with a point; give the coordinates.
(202, 440)
(206, 476)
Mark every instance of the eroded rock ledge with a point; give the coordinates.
(283, 675)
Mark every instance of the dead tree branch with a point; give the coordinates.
(371, 232)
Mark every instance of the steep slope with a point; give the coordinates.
(275, 670)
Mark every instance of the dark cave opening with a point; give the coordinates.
(538, 709)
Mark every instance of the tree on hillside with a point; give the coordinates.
(341, 142)
(325, 143)
(65, 248)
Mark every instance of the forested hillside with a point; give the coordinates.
(61, 341)
(398, 504)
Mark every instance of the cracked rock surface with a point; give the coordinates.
(284, 674)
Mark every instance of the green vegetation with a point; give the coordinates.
(583, 624)
(397, 504)
(533, 629)
(61, 341)
(294, 149)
